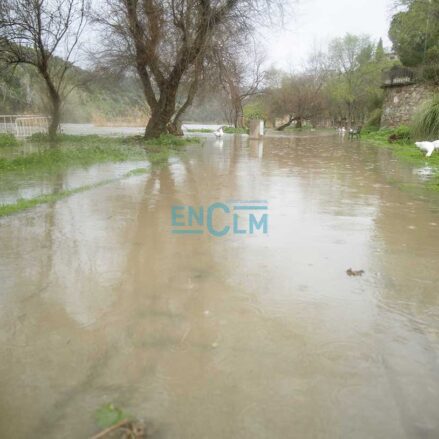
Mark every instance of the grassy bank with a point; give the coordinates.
(83, 151)
(406, 150)
(87, 150)
(228, 130)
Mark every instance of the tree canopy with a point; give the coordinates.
(415, 33)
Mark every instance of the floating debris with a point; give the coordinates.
(351, 272)
(123, 430)
(117, 424)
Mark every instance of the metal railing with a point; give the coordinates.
(23, 125)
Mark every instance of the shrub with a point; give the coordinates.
(426, 121)
(402, 134)
(374, 121)
(7, 139)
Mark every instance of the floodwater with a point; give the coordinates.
(242, 336)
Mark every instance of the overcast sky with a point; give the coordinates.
(315, 22)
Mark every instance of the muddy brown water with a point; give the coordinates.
(261, 336)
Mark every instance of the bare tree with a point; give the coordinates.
(298, 96)
(239, 67)
(43, 34)
(167, 42)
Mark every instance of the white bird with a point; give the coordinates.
(428, 147)
(219, 132)
(436, 144)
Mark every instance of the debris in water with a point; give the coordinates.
(123, 430)
(117, 424)
(351, 272)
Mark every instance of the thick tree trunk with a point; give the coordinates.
(55, 102)
(175, 128)
(157, 124)
(55, 119)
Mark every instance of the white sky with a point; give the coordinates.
(315, 22)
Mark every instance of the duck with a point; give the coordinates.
(427, 147)
(219, 132)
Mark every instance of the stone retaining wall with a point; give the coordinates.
(401, 102)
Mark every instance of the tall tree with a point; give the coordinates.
(379, 51)
(43, 34)
(350, 59)
(167, 41)
(296, 96)
(414, 32)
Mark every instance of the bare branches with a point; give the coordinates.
(45, 35)
(167, 41)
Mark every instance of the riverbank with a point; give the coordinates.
(406, 151)
(77, 151)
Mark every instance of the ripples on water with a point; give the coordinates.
(252, 337)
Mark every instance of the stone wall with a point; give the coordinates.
(402, 101)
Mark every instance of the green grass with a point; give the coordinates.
(228, 130)
(83, 151)
(426, 121)
(87, 150)
(8, 140)
(23, 204)
(232, 130)
(200, 130)
(406, 151)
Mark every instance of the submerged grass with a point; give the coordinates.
(23, 204)
(407, 151)
(83, 151)
(7, 139)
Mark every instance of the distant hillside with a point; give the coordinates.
(109, 99)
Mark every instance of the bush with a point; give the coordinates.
(402, 134)
(7, 139)
(374, 121)
(426, 121)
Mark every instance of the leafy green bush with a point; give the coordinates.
(7, 139)
(426, 121)
(402, 134)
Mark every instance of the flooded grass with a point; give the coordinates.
(23, 204)
(408, 152)
(84, 151)
(200, 130)
(74, 150)
(7, 139)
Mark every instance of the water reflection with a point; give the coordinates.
(250, 337)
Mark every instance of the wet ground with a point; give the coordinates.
(261, 336)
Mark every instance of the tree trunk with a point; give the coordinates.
(175, 128)
(55, 119)
(55, 102)
(157, 125)
(291, 119)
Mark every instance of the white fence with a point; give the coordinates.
(23, 125)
